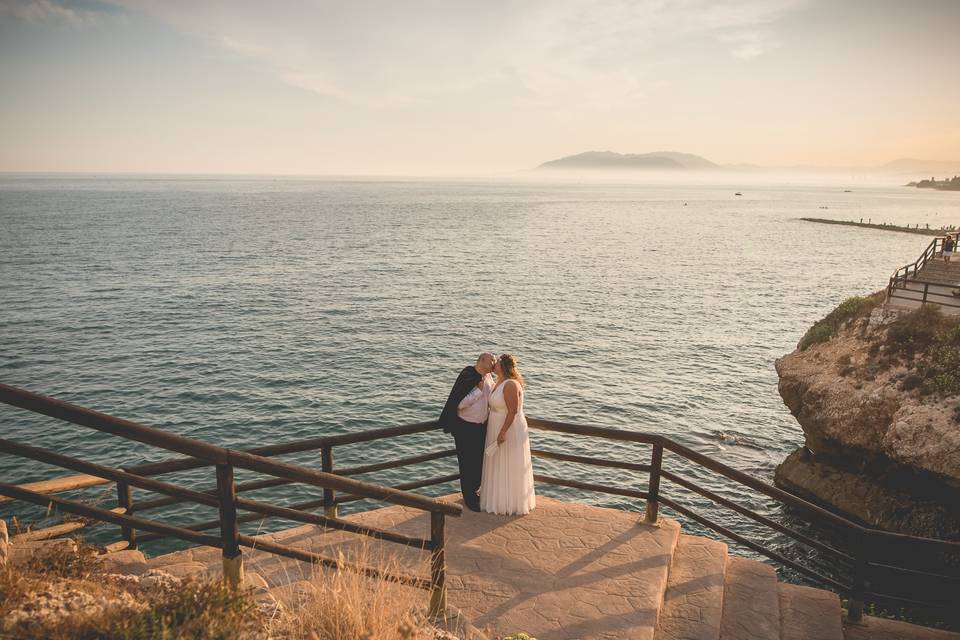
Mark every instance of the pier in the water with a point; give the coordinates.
(924, 230)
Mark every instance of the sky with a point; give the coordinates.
(462, 87)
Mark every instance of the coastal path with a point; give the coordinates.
(928, 280)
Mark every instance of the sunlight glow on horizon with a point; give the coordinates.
(451, 88)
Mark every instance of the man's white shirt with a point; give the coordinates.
(473, 407)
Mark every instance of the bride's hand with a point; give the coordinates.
(502, 436)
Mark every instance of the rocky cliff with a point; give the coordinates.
(878, 397)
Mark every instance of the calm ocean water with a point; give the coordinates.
(251, 311)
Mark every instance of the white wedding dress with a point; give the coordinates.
(506, 487)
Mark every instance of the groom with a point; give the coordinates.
(469, 425)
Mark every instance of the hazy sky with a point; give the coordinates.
(457, 87)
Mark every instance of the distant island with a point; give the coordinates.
(676, 161)
(609, 160)
(953, 184)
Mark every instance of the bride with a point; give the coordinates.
(507, 484)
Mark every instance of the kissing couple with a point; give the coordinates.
(485, 416)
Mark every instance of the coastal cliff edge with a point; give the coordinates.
(877, 394)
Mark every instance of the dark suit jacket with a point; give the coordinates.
(466, 381)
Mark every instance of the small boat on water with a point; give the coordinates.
(738, 194)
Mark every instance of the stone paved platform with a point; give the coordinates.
(566, 570)
(569, 571)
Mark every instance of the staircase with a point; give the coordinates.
(929, 280)
(711, 595)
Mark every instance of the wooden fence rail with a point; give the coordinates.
(224, 497)
(870, 555)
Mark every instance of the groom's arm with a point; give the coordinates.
(466, 381)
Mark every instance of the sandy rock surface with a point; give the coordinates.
(874, 451)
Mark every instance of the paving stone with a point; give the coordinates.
(809, 614)
(693, 603)
(751, 606)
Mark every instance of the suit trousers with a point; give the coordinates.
(470, 438)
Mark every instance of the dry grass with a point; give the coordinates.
(64, 562)
(55, 564)
(338, 605)
(345, 605)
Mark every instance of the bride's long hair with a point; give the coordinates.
(510, 369)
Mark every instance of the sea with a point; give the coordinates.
(247, 311)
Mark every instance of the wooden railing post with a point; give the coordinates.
(653, 491)
(229, 533)
(125, 501)
(438, 567)
(926, 288)
(329, 495)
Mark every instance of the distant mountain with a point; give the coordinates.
(609, 160)
(922, 167)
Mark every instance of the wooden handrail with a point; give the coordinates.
(102, 471)
(298, 446)
(213, 454)
(731, 473)
(105, 515)
(203, 454)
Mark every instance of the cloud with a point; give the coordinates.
(46, 11)
(386, 54)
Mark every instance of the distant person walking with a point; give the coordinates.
(947, 248)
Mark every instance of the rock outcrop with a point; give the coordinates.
(876, 447)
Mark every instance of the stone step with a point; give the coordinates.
(693, 602)
(128, 562)
(809, 614)
(751, 605)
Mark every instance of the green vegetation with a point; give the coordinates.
(201, 610)
(929, 344)
(823, 330)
